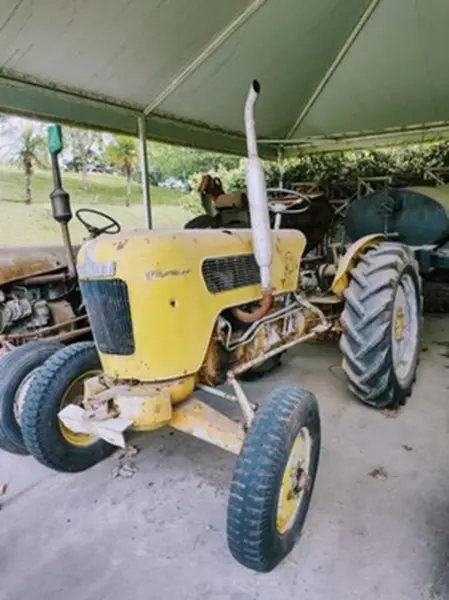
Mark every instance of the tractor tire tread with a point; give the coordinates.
(14, 367)
(257, 477)
(366, 322)
(41, 404)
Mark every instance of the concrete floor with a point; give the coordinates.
(160, 535)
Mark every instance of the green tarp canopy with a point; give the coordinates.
(334, 73)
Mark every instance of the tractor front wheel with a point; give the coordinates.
(59, 383)
(381, 325)
(17, 369)
(273, 479)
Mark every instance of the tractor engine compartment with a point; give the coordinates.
(26, 309)
(235, 344)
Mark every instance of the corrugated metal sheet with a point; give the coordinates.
(332, 71)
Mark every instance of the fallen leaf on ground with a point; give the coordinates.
(379, 473)
(126, 470)
(126, 467)
(127, 452)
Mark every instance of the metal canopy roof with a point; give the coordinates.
(333, 72)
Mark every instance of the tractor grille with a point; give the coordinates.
(230, 272)
(107, 305)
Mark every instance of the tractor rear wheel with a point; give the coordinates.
(17, 369)
(381, 324)
(59, 383)
(273, 479)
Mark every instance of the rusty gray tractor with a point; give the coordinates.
(41, 307)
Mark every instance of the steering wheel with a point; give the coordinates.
(291, 203)
(94, 231)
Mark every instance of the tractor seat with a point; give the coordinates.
(231, 200)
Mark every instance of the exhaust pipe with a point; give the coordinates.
(260, 220)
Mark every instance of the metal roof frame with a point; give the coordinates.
(325, 102)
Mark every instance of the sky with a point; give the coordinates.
(17, 124)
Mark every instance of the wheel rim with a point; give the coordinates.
(20, 395)
(404, 334)
(74, 394)
(295, 482)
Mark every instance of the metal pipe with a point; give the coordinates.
(257, 195)
(67, 241)
(321, 328)
(45, 330)
(56, 173)
(256, 315)
(231, 342)
(145, 180)
(65, 336)
(242, 399)
(306, 304)
(62, 212)
(217, 392)
(43, 279)
(258, 207)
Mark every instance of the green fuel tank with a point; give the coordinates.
(416, 214)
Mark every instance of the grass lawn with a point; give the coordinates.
(22, 224)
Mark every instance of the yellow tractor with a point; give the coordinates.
(176, 313)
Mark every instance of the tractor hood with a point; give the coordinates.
(18, 262)
(153, 297)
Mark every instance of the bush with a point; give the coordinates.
(408, 165)
(192, 203)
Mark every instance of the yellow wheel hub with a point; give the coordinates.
(295, 481)
(399, 324)
(74, 394)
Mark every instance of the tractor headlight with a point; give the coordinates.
(91, 268)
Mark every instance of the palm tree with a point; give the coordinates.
(25, 148)
(122, 153)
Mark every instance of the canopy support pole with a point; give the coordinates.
(145, 180)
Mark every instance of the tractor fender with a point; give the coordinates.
(349, 260)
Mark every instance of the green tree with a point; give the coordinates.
(26, 148)
(122, 153)
(85, 147)
(181, 163)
